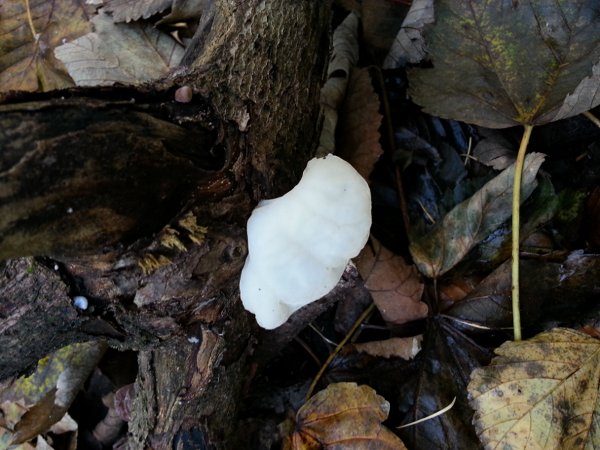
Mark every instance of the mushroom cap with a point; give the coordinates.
(299, 244)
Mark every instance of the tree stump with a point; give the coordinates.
(139, 203)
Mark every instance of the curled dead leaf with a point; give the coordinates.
(357, 133)
(344, 415)
(405, 348)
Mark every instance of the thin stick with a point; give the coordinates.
(592, 117)
(516, 219)
(324, 367)
(431, 416)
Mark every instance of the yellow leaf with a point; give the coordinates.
(29, 32)
(344, 415)
(32, 404)
(540, 394)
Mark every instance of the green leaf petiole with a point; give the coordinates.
(516, 203)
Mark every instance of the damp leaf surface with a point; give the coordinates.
(506, 63)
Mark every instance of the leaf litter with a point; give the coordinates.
(441, 370)
(471, 221)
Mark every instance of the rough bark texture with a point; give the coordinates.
(142, 206)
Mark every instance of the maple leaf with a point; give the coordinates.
(344, 415)
(505, 63)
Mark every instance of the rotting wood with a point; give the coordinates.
(259, 64)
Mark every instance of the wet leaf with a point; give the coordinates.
(27, 61)
(592, 222)
(471, 221)
(119, 53)
(555, 289)
(405, 348)
(395, 286)
(381, 20)
(438, 374)
(542, 393)
(49, 391)
(409, 44)
(357, 133)
(495, 151)
(342, 416)
(540, 208)
(500, 64)
(128, 10)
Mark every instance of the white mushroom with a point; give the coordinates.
(299, 244)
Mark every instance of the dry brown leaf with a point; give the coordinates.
(128, 10)
(186, 10)
(395, 286)
(405, 348)
(119, 53)
(343, 416)
(27, 61)
(357, 133)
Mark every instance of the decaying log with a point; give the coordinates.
(141, 206)
(79, 175)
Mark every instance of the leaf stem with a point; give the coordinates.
(593, 118)
(30, 21)
(324, 367)
(516, 219)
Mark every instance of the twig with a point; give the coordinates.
(431, 416)
(516, 219)
(324, 367)
(592, 117)
(308, 350)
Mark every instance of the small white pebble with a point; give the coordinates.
(193, 340)
(69, 210)
(79, 301)
(56, 267)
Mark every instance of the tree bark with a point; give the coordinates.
(141, 206)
